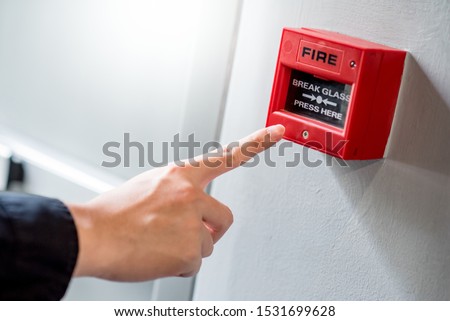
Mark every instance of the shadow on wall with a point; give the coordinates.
(402, 203)
(421, 131)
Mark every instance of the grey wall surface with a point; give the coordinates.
(78, 74)
(376, 230)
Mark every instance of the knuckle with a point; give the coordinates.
(167, 173)
(173, 169)
(182, 190)
(229, 217)
(208, 251)
(192, 271)
(257, 138)
(187, 193)
(191, 258)
(196, 267)
(232, 155)
(235, 157)
(171, 173)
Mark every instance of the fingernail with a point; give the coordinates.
(276, 132)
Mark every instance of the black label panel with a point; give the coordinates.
(323, 100)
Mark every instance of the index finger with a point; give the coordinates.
(207, 167)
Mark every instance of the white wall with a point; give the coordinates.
(77, 74)
(375, 230)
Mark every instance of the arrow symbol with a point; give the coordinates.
(312, 97)
(327, 102)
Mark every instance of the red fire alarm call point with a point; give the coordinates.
(336, 93)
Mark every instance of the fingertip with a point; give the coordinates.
(276, 132)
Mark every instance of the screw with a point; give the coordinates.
(305, 134)
(352, 64)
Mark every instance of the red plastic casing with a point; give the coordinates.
(374, 71)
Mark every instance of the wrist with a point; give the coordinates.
(84, 226)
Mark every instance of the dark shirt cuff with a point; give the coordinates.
(38, 247)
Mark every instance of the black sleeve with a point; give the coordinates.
(38, 247)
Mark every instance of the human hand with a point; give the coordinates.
(161, 222)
